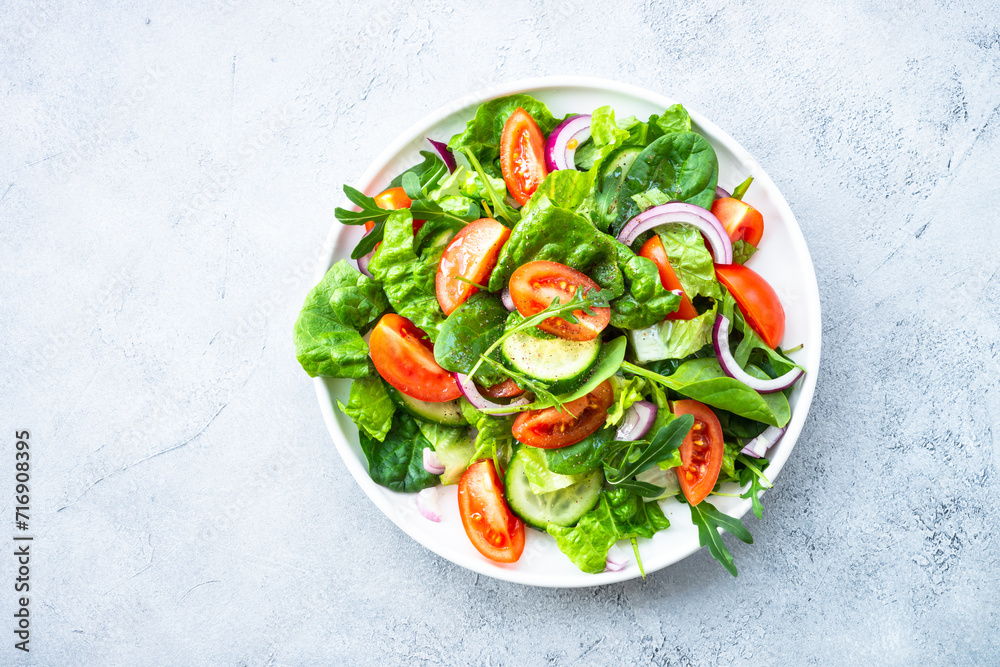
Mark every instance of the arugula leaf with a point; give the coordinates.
(327, 342)
(752, 474)
(498, 200)
(408, 277)
(709, 520)
(397, 462)
(482, 134)
(428, 173)
(666, 441)
(468, 332)
(370, 406)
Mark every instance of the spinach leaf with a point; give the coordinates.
(327, 341)
(734, 426)
(468, 332)
(482, 133)
(370, 406)
(682, 165)
(645, 301)
(397, 462)
(709, 520)
(548, 232)
(582, 457)
(408, 277)
(704, 381)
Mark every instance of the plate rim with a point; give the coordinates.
(814, 338)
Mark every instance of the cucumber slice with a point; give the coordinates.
(447, 414)
(562, 507)
(563, 363)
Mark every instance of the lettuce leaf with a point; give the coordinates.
(326, 333)
(453, 446)
(370, 406)
(673, 339)
(407, 267)
(691, 260)
(540, 478)
(482, 133)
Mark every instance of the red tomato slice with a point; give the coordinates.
(758, 301)
(404, 357)
(491, 526)
(552, 428)
(701, 451)
(534, 285)
(393, 199)
(653, 249)
(506, 389)
(741, 220)
(522, 155)
(471, 255)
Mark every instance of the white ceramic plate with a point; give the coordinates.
(783, 260)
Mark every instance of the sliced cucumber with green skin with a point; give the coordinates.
(565, 364)
(561, 508)
(447, 414)
(612, 178)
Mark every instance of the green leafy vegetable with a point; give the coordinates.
(682, 165)
(742, 251)
(468, 332)
(369, 406)
(428, 173)
(753, 474)
(742, 188)
(327, 342)
(662, 447)
(673, 339)
(496, 195)
(709, 520)
(704, 381)
(454, 447)
(482, 134)
(540, 477)
(674, 119)
(565, 188)
(582, 457)
(397, 462)
(548, 232)
(645, 301)
(408, 277)
(690, 260)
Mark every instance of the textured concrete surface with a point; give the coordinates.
(169, 171)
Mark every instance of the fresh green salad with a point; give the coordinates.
(556, 315)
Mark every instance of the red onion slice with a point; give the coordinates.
(689, 214)
(446, 155)
(638, 420)
(560, 149)
(720, 340)
(508, 302)
(480, 402)
(432, 463)
(427, 504)
(721, 193)
(365, 259)
(758, 447)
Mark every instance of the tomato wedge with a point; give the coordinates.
(740, 219)
(522, 155)
(534, 285)
(404, 357)
(491, 526)
(653, 249)
(506, 389)
(552, 428)
(701, 451)
(758, 301)
(393, 199)
(471, 255)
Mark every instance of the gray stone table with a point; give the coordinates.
(169, 171)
